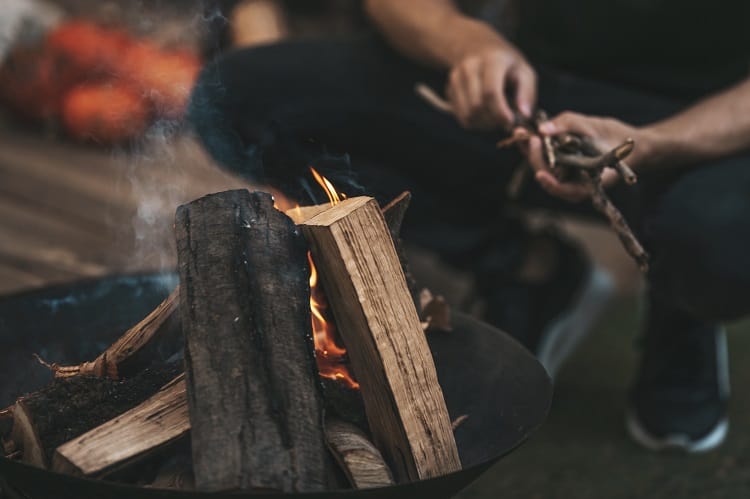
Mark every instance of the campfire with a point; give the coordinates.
(304, 361)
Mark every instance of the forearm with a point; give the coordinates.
(433, 32)
(713, 128)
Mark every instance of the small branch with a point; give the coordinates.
(432, 98)
(604, 205)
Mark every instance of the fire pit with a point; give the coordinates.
(483, 372)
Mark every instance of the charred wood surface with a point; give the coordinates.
(70, 407)
(252, 387)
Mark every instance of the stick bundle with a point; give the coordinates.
(573, 159)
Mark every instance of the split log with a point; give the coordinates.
(360, 460)
(132, 351)
(70, 407)
(252, 385)
(128, 438)
(380, 326)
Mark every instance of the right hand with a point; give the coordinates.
(480, 84)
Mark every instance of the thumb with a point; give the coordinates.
(524, 80)
(566, 122)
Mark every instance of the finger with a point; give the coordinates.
(493, 93)
(524, 81)
(457, 96)
(566, 122)
(472, 85)
(534, 154)
(610, 177)
(572, 192)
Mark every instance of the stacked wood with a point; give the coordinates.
(250, 396)
(255, 410)
(378, 320)
(70, 407)
(148, 427)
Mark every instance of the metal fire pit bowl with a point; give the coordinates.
(484, 373)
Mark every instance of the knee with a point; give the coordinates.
(701, 253)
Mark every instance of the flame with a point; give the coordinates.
(331, 358)
(334, 197)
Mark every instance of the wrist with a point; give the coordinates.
(479, 38)
(652, 148)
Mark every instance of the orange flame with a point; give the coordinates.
(334, 197)
(331, 357)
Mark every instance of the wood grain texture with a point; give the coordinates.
(150, 426)
(358, 457)
(378, 321)
(252, 383)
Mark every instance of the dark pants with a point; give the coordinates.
(269, 112)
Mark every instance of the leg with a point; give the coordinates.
(699, 232)
(698, 227)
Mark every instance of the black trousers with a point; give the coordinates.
(269, 112)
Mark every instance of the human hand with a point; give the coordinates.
(481, 83)
(603, 133)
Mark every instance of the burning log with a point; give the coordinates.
(379, 323)
(70, 407)
(157, 422)
(254, 407)
(361, 461)
(131, 352)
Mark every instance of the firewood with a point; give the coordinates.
(72, 406)
(380, 326)
(129, 353)
(302, 213)
(155, 423)
(360, 460)
(252, 385)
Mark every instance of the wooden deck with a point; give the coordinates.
(70, 211)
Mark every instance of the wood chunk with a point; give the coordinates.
(360, 460)
(394, 213)
(251, 378)
(380, 326)
(157, 422)
(301, 214)
(125, 356)
(72, 406)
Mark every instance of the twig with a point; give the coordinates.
(578, 158)
(604, 205)
(432, 98)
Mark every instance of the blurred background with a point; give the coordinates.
(95, 157)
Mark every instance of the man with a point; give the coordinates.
(673, 75)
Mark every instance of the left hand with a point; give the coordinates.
(605, 133)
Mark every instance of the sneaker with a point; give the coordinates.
(552, 317)
(679, 400)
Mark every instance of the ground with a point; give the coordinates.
(69, 211)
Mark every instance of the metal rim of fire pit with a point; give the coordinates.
(484, 373)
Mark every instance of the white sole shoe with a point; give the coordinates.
(680, 441)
